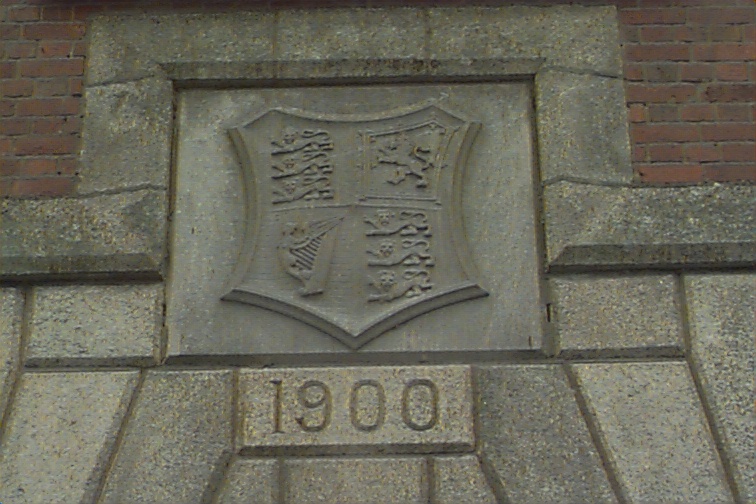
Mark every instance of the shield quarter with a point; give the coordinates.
(353, 222)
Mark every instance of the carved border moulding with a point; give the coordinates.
(353, 221)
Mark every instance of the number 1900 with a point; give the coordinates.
(366, 402)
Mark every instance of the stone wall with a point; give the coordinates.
(635, 388)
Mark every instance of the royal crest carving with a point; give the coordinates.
(353, 221)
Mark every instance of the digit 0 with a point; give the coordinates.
(432, 390)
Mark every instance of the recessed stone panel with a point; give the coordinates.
(366, 219)
(416, 409)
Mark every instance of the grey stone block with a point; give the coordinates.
(179, 434)
(592, 314)
(211, 220)
(112, 324)
(582, 138)
(356, 481)
(250, 481)
(60, 435)
(534, 439)
(653, 428)
(126, 48)
(351, 33)
(356, 409)
(76, 238)
(722, 321)
(572, 36)
(590, 226)
(126, 140)
(11, 312)
(460, 480)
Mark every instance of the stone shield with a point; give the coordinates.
(353, 221)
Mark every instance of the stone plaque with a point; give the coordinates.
(416, 409)
(354, 220)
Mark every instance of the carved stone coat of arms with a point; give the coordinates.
(354, 222)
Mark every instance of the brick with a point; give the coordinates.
(47, 186)
(56, 125)
(728, 131)
(48, 49)
(82, 12)
(745, 151)
(38, 167)
(732, 72)
(638, 153)
(663, 72)
(665, 152)
(8, 168)
(703, 153)
(23, 14)
(51, 68)
(76, 86)
(731, 92)
(721, 15)
(663, 113)
(19, 50)
(730, 173)
(10, 31)
(16, 88)
(660, 93)
(14, 127)
(657, 52)
(737, 112)
(633, 71)
(691, 34)
(728, 33)
(47, 107)
(46, 145)
(647, 133)
(696, 72)
(51, 87)
(629, 33)
(637, 113)
(652, 16)
(724, 52)
(698, 112)
(57, 13)
(670, 173)
(657, 33)
(54, 31)
(7, 108)
(7, 69)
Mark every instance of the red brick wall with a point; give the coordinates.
(689, 70)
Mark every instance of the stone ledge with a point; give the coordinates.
(81, 238)
(617, 227)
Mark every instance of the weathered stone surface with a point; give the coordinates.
(722, 321)
(497, 201)
(460, 480)
(360, 409)
(250, 480)
(179, 432)
(591, 226)
(339, 34)
(114, 324)
(60, 435)
(616, 313)
(356, 481)
(582, 138)
(83, 237)
(652, 425)
(574, 37)
(126, 140)
(126, 48)
(534, 438)
(11, 311)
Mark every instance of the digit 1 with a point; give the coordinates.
(277, 406)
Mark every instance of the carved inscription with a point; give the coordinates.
(357, 407)
(301, 165)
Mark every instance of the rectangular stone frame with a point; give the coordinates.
(595, 218)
